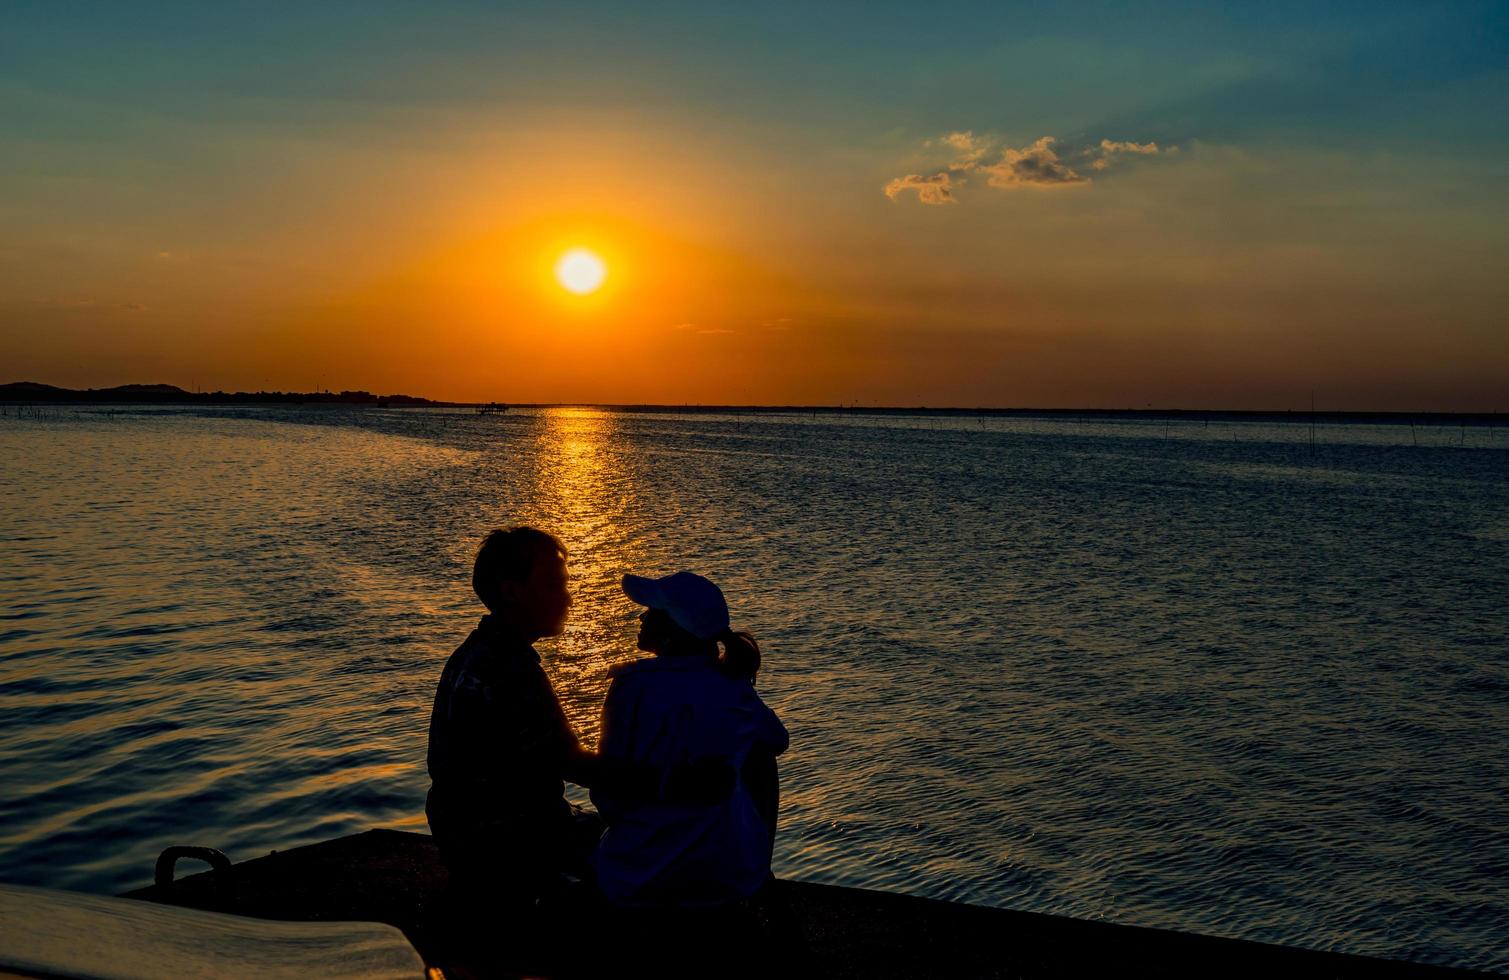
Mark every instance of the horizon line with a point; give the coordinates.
(123, 394)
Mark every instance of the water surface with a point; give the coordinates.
(1172, 674)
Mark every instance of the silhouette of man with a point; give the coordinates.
(500, 745)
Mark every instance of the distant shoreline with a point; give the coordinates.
(1492, 419)
(33, 393)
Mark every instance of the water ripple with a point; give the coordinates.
(1184, 676)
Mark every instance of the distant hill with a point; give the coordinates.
(35, 391)
(147, 389)
(29, 389)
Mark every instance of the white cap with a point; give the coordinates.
(694, 603)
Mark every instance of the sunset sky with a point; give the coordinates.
(1175, 205)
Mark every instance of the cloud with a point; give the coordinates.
(968, 148)
(1040, 164)
(930, 190)
(1109, 148)
(1032, 166)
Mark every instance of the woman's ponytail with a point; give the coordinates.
(741, 655)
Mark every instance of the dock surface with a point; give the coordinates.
(792, 929)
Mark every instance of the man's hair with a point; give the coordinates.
(510, 553)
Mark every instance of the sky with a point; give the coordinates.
(1157, 205)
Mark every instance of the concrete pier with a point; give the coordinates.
(794, 929)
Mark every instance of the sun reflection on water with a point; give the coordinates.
(586, 490)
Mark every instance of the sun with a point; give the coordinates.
(580, 271)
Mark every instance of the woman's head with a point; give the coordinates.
(658, 633)
(686, 614)
(693, 603)
(741, 656)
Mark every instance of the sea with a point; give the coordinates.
(1233, 677)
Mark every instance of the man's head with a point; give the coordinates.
(520, 576)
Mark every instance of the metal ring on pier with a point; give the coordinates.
(162, 875)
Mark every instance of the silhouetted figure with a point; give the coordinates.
(683, 704)
(500, 746)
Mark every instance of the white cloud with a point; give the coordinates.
(934, 189)
(1040, 164)
(1109, 148)
(1032, 166)
(968, 148)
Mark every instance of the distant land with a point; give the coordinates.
(33, 392)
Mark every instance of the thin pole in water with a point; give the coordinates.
(1312, 424)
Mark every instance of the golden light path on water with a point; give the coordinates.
(597, 488)
(585, 494)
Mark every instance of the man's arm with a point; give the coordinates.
(585, 768)
(701, 782)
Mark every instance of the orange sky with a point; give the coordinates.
(786, 249)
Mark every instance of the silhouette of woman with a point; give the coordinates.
(683, 704)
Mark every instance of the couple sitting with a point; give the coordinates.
(684, 781)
